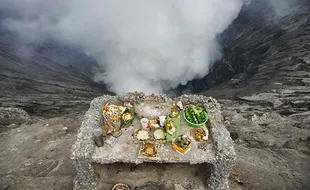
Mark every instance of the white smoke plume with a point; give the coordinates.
(144, 45)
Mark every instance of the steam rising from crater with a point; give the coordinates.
(143, 45)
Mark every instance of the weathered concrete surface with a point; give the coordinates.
(152, 176)
(222, 161)
(152, 110)
(127, 148)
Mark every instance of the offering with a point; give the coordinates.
(180, 105)
(128, 106)
(111, 126)
(154, 124)
(144, 122)
(175, 111)
(159, 134)
(182, 144)
(121, 186)
(142, 135)
(127, 118)
(153, 121)
(200, 134)
(128, 115)
(113, 112)
(170, 127)
(195, 116)
(148, 151)
(162, 120)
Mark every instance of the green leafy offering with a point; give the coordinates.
(195, 114)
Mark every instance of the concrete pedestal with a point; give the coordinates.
(219, 153)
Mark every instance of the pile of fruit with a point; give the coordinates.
(195, 114)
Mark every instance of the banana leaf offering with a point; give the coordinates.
(172, 128)
(127, 116)
(175, 111)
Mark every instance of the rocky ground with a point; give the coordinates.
(273, 150)
(36, 156)
(261, 53)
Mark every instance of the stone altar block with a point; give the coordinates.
(219, 155)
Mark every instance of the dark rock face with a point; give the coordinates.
(258, 50)
(45, 77)
(232, 64)
(264, 56)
